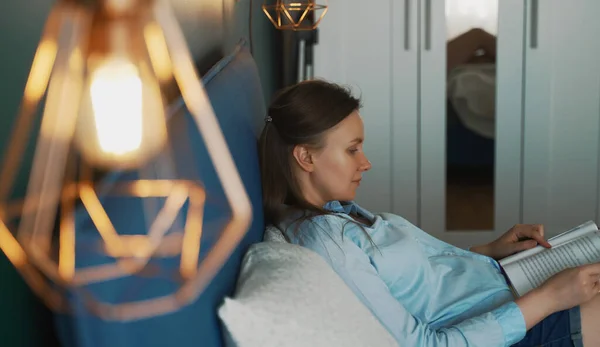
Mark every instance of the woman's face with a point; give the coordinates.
(338, 166)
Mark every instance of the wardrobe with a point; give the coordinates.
(546, 130)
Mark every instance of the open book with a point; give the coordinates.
(529, 269)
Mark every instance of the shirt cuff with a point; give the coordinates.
(511, 319)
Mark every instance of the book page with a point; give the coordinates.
(528, 273)
(569, 235)
(574, 233)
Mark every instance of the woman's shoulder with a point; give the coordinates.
(396, 219)
(308, 226)
(322, 234)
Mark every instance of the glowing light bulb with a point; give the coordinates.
(116, 91)
(122, 119)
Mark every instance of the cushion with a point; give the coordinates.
(287, 295)
(273, 234)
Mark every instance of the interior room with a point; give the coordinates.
(138, 168)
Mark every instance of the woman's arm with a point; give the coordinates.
(461, 49)
(503, 326)
(569, 288)
(519, 238)
(535, 306)
(566, 289)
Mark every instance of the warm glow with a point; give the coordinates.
(116, 91)
(193, 234)
(122, 118)
(40, 70)
(118, 6)
(97, 74)
(295, 15)
(66, 255)
(9, 245)
(150, 188)
(107, 231)
(158, 51)
(66, 263)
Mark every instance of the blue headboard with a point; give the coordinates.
(234, 89)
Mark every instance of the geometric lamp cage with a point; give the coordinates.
(295, 15)
(105, 71)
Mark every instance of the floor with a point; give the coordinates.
(470, 199)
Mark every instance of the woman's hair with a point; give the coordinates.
(299, 115)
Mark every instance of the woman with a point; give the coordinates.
(424, 291)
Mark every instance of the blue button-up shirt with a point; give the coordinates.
(424, 291)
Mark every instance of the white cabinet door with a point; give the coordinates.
(509, 122)
(562, 113)
(404, 122)
(432, 121)
(432, 124)
(357, 48)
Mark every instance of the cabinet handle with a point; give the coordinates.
(533, 32)
(427, 25)
(406, 25)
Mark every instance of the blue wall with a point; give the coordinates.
(211, 28)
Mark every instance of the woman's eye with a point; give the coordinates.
(353, 150)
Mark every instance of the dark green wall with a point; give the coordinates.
(210, 26)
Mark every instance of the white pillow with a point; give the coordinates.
(273, 234)
(287, 295)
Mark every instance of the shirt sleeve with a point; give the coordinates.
(503, 326)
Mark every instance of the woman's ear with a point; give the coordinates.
(304, 158)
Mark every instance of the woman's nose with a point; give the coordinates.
(365, 165)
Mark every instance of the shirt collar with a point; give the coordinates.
(348, 207)
(339, 207)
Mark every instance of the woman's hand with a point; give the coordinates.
(566, 289)
(519, 238)
(572, 287)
